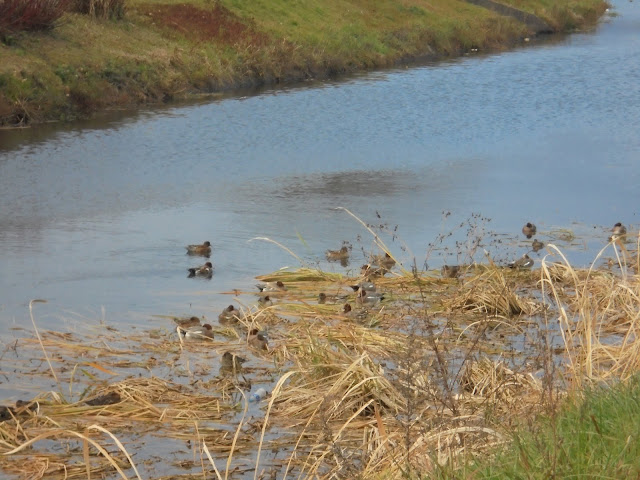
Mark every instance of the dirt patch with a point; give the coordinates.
(218, 24)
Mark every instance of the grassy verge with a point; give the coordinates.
(168, 50)
(595, 436)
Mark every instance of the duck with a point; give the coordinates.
(369, 271)
(368, 298)
(529, 230)
(523, 262)
(366, 286)
(265, 301)
(272, 287)
(537, 245)
(187, 322)
(360, 314)
(229, 315)
(385, 261)
(618, 231)
(110, 398)
(336, 255)
(22, 407)
(202, 332)
(230, 361)
(450, 271)
(205, 270)
(203, 250)
(257, 340)
(324, 298)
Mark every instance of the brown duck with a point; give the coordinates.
(529, 230)
(203, 250)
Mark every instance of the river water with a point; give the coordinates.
(94, 217)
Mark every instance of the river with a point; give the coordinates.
(94, 216)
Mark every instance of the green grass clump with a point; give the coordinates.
(595, 436)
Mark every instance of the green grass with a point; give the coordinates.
(87, 64)
(597, 436)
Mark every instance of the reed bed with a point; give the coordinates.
(440, 369)
(598, 314)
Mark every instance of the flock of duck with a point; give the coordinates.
(366, 293)
(191, 330)
(618, 236)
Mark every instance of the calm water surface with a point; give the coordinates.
(94, 217)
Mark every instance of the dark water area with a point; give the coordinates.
(94, 217)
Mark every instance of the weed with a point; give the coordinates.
(29, 15)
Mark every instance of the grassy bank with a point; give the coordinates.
(591, 437)
(159, 51)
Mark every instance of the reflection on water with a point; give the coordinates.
(362, 183)
(99, 215)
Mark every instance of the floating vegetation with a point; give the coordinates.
(435, 369)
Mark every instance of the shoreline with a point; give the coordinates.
(87, 65)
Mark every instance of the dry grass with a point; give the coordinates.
(438, 371)
(598, 314)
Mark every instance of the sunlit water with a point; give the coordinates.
(94, 217)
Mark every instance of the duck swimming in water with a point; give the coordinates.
(529, 230)
(366, 286)
(229, 315)
(368, 298)
(265, 301)
(231, 360)
(272, 287)
(336, 255)
(203, 250)
(369, 271)
(537, 245)
(205, 270)
(187, 322)
(199, 333)
(257, 340)
(385, 261)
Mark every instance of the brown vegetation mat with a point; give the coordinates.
(440, 367)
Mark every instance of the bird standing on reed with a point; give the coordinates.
(618, 231)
